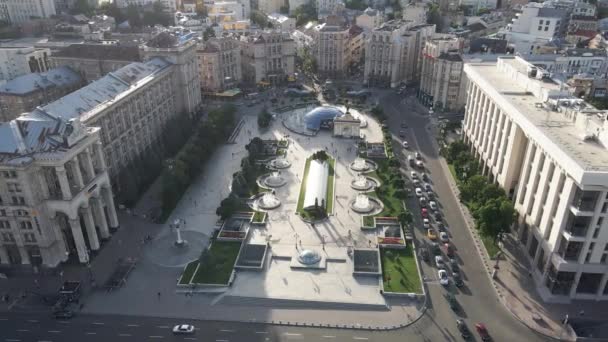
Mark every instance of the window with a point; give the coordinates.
(8, 237)
(540, 22)
(20, 212)
(18, 200)
(29, 237)
(2, 212)
(5, 224)
(27, 225)
(546, 28)
(540, 28)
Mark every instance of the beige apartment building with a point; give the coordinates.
(56, 201)
(268, 58)
(219, 64)
(336, 46)
(547, 149)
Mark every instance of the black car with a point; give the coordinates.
(424, 253)
(464, 330)
(457, 278)
(425, 177)
(437, 216)
(403, 125)
(63, 314)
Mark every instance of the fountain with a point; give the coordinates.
(363, 183)
(179, 242)
(274, 180)
(279, 163)
(267, 201)
(363, 165)
(364, 204)
(309, 257)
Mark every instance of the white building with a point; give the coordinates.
(168, 5)
(57, 201)
(547, 150)
(282, 22)
(584, 9)
(573, 61)
(268, 58)
(330, 44)
(294, 4)
(536, 26)
(393, 52)
(440, 80)
(326, 8)
(479, 4)
(370, 19)
(227, 11)
(415, 12)
(270, 6)
(219, 64)
(19, 11)
(17, 61)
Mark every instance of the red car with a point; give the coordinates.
(449, 249)
(482, 331)
(425, 213)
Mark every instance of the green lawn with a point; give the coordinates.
(217, 267)
(188, 272)
(488, 243)
(368, 221)
(400, 266)
(393, 206)
(259, 216)
(453, 172)
(303, 187)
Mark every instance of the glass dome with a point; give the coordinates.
(315, 117)
(309, 257)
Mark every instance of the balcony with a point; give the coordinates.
(584, 202)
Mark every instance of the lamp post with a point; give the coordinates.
(179, 241)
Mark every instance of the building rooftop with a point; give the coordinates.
(58, 77)
(281, 18)
(100, 51)
(547, 12)
(539, 106)
(88, 101)
(451, 56)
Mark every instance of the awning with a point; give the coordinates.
(263, 83)
(228, 93)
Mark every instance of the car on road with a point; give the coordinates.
(449, 250)
(183, 329)
(457, 279)
(403, 125)
(435, 248)
(433, 205)
(443, 236)
(424, 177)
(420, 164)
(416, 182)
(418, 192)
(437, 216)
(418, 156)
(464, 330)
(452, 301)
(424, 253)
(402, 133)
(439, 262)
(431, 234)
(405, 144)
(413, 175)
(424, 212)
(482, 331)
(428, 188)
(443, 277)
(426, 223)
(63, 314)
(441, 226)
(422, 201)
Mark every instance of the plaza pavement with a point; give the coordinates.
(278, 282)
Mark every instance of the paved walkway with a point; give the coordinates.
(516, 289)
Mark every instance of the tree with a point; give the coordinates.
(359, 5)
(454, 149)
(259, 18)
(157, 16)
(264, 118)
(320, 155)
(405, 218)
(209, 33)
(470, 189)
(82, 7)
(495, 217)
(255, 147)
(434, 17)
(306, 13)
(133, 16)
(110, 9)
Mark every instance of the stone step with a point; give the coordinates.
(300, 304)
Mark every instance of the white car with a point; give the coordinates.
(433, 205)
(439, 262)
(426, 223)
(405, 144)
(443, 236)
(443, 277)
(183, 329)
(414, 175)
(419, 164)
(418, 192)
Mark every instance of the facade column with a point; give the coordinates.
(89, 223)
(81, 247)
(88, 165)
(100, 218)
(101, 162)
(77, 173)
(25, 257)
(107, 197)
(577, 278)
(63, 182)
(3, 255)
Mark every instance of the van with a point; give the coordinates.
(411, 160)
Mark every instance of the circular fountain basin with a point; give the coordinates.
(279, 163)
(265, 201)
(364, 183)
(363, 165)
(364, 204)
(271, 180)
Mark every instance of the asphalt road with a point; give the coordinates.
(477, 299)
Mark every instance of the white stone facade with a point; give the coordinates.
(268, 58)
(546, 149)
(370, 19)
(57, 202)
(18, 61)
(19, 11)
(219, 63)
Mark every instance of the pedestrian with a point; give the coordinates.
(158, 294)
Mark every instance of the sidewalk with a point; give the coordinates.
(515, 286)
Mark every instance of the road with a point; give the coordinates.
(477, 299)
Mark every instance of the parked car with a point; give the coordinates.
(413, 175)
(403, 124)
(416, 182)
(428, 188)
(449, 250)
(457, 279)
(419, 164)
(418, 192)
(433, 205)
(443, 236)
(439, 262)
(422, 201)
(483, 332)
(454, 264)
(431, 234)
(183, 329)
(435, 248)
(424, 254)
(402, 133)
(405, 144)
(440, 226)
(424, 212)
(425, 177)
(411, 160)
(464, 330)
(443, 277)
(418, 156)
(437, 216)
(63, 314)
(452, 301)
(426, 223)
(430, 195)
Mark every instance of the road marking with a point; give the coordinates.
(91, 333)
(261, 332)
(124, 335)
(132, 325)
(221, 340)
(226, 330)
(3, 319)
(292, 334)
(163, 326)
(360, 338)
(328, 336)
(189, 338)
(44, 341)
(32, 320)
(64, 322)
(155, 336)
(54, 331)
(23, 330)
(12, 340)
(98, 323)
